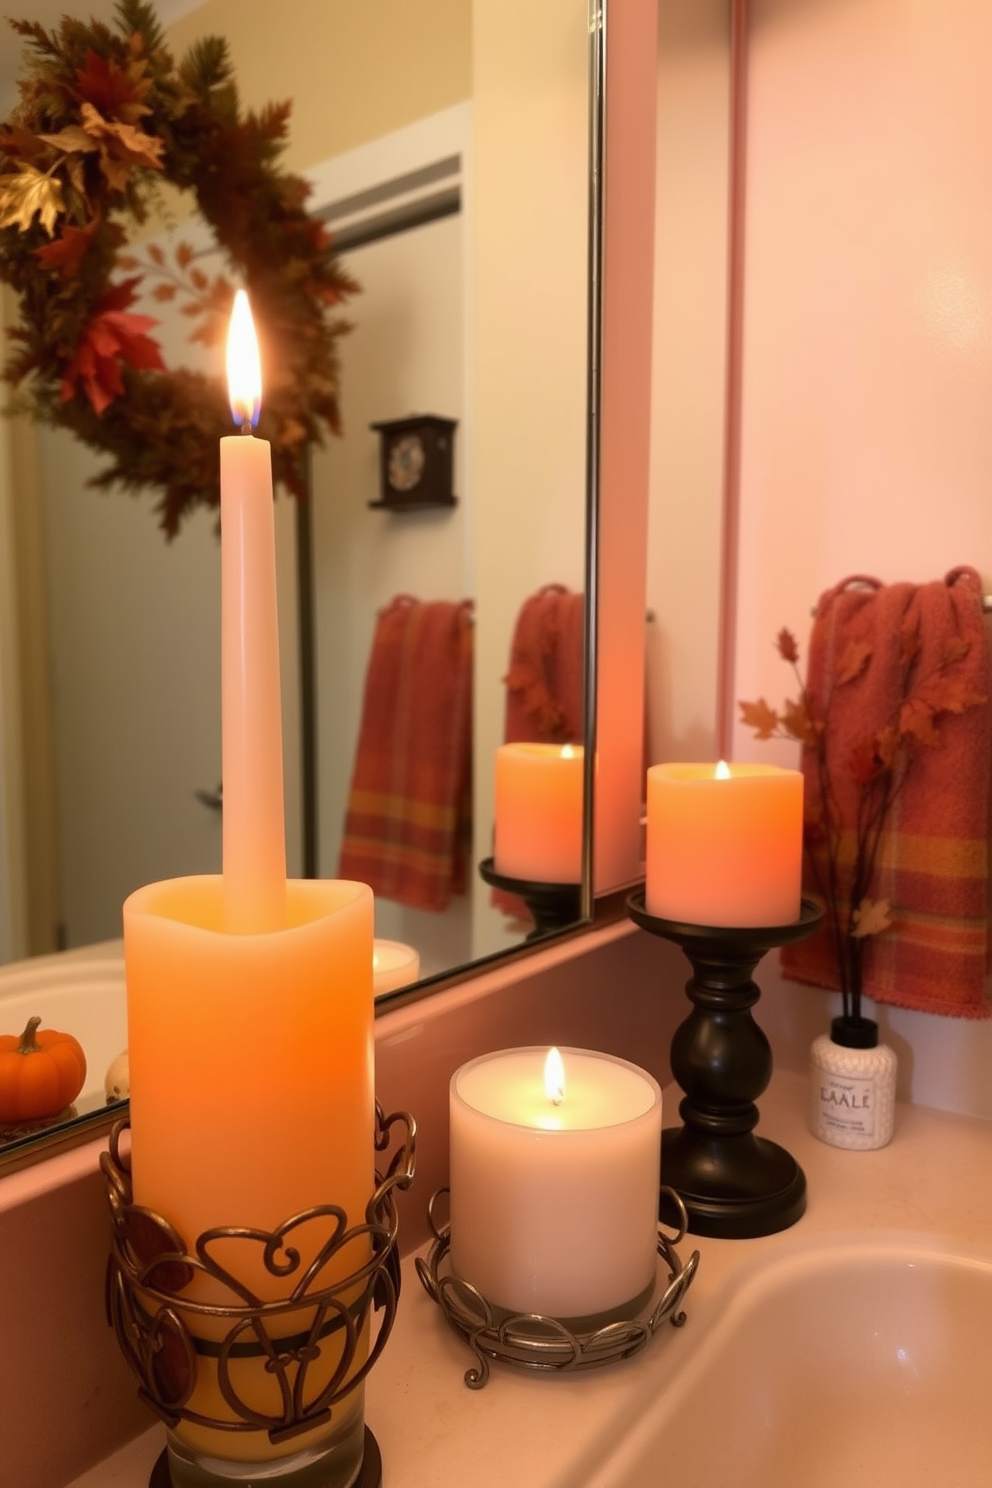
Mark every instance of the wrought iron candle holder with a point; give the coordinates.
(733, 1184)
(172, 1338)
(532, 1341)
(553, 906)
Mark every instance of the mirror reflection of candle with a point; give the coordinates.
(394, 965)
(253, 826)
(538, 812)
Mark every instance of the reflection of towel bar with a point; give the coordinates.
(986, 605)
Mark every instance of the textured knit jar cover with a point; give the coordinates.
(852, 1094)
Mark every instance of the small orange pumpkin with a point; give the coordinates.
(41, 1073)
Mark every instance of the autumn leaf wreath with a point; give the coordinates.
(104, 117)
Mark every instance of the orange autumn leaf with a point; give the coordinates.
(887, 743)
(121, 146)
(871, 917)
(909, 637)
(948, 694)
(760, 717)
(786, 643)
(916, 722)
(853, 661)
(72, 140)
(797, 722)
(22, 145)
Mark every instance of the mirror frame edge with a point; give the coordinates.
(617, 562)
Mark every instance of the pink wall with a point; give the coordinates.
(866, 439)
(866, 386)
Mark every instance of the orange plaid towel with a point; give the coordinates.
(408, 822)
(933, 860)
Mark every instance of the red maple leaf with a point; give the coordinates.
(116, 92)
(67, 252)
(111, 337)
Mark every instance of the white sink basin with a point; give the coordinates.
(862, 1361)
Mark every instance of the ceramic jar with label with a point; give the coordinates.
(852, 1096)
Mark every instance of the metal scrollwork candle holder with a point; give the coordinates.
(532, 1341)
(276, 1368)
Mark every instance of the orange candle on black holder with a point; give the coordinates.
(724, 844)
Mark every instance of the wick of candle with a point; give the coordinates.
(246, 427)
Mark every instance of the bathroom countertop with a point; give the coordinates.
(546, 1432)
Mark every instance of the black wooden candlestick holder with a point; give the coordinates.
(553, 906)
(734, 1185)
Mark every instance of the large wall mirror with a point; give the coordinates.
(450, 150)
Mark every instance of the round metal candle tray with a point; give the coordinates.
(531, 1341)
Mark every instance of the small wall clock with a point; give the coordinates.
(416, 462)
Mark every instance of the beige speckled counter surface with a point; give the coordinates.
(935, 1178)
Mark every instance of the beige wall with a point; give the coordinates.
(29, 909)
(354, 69)
(529, 362)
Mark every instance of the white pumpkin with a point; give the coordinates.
(117, 1081)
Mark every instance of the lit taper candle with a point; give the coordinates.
(250, 1012)
(254, 822)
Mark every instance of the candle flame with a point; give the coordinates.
(244, 367)
(554, 1077)
(567, 751)
(723, 771)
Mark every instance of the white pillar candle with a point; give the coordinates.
(393, 965)
(538, 812)
(554, 1207)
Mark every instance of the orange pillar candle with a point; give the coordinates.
(253, 825)
(252, 1097)
(724, 844)
(538, 818)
